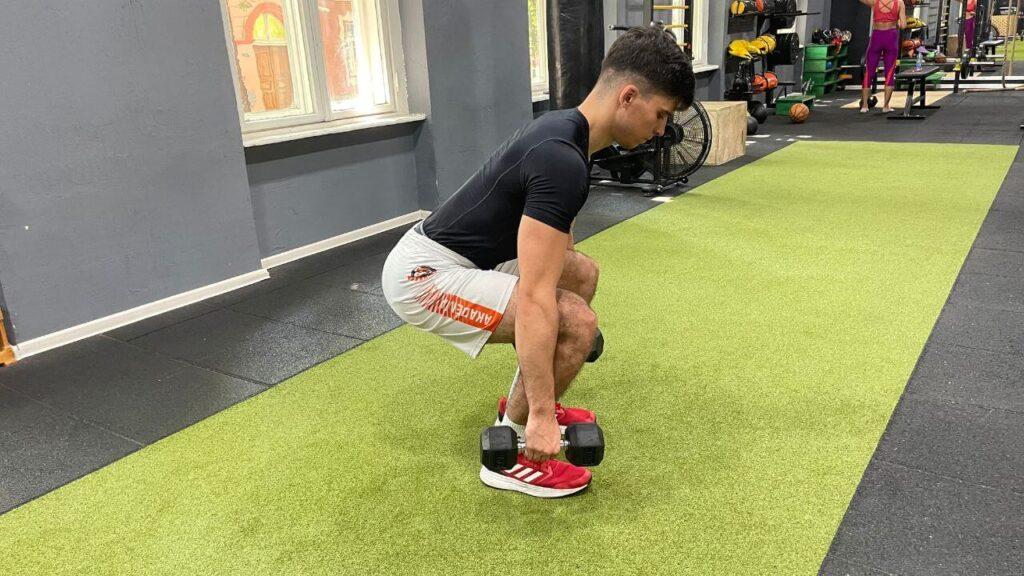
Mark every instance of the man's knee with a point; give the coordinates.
(587, 273)
(577, 321)
(593, 271)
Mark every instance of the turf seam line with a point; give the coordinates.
(973, 483)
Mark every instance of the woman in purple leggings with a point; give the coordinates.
(887, 18)
(972, 5)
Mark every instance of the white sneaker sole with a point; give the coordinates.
(502, 482)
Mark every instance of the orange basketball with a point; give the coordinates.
(799, 112)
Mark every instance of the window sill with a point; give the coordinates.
(701, 68)
(323, 128)
(540, 97)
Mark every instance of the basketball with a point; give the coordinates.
(799, 112)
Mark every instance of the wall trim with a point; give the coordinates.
(114, 321)
(108, 323)
(342, 239)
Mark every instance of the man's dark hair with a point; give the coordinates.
(652, 55)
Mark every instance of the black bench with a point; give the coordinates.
(911, 75)
(990, 46)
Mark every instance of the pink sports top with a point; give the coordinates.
(886, 11)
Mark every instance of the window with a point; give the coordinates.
(689, 22)
(538, 46)
(299, 62)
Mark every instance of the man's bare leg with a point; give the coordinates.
(579, 275)
(577, 326)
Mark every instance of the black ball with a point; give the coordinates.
(759, 111)
(751, 125)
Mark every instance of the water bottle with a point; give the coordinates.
(920, 61)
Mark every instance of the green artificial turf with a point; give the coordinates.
(1017, 48)
(760, 330)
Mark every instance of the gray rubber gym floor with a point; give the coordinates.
(944, 493)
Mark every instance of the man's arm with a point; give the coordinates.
(541, 251)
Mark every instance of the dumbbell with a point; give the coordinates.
(872, 101)
(598, 348)
(500, 446)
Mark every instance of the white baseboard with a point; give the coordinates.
(108, 323)
(316, 247)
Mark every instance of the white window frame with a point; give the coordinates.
(309, 69)
(540, 89)
(699, 8)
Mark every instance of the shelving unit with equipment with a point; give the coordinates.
(774, 16)
(823, 64)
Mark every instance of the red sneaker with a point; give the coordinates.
(552, 479)
(565, 416)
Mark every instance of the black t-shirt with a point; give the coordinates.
(542, 171)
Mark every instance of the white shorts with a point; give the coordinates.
(439, 291)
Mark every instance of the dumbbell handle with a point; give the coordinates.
(563, 444)
(583, 445)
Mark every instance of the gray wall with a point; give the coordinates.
(468, 69)
(479, 67)
(125, 180)
(308, 190)
(414, 43)
(807, 24)
(123, 177)
(718, 24)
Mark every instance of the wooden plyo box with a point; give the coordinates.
(728, 131)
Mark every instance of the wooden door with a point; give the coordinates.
(275, 76)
